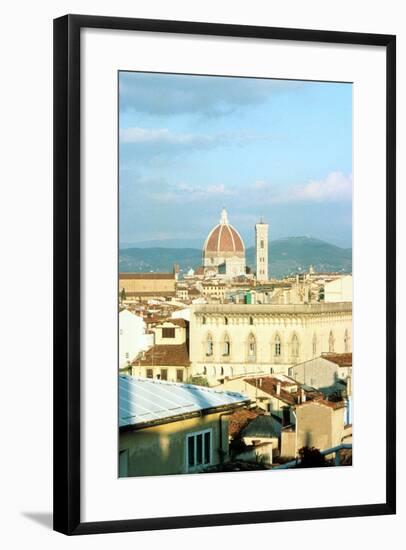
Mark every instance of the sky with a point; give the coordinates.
(191, 145)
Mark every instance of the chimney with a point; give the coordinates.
(278, 388)
(260, 382)
(302, 396)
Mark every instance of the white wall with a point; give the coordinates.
(26, 221)
(339, 290)
(132, 338)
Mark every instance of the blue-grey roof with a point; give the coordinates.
(144, 400)
(263, 426)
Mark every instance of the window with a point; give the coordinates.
(314, 345)
(203, 320)
(331, 342)
(198, 449)
(277, 346)
(150, 373)
(262, 244)
(179, 375)
(251, 320)
(209, 346)
(252, 348)
(127, 355)
(164, 374)
(168, 332)
(346, 342)
(295, 346)
(225, 321)
(226, 349)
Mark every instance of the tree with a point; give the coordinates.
(123, 295)
(310, 457)
(198, 380)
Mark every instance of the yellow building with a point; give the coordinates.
(168, 428)
(144, 286)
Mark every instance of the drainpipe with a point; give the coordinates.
(221, 435)
(294, 414)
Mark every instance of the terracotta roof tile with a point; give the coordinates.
(224, 238)
(164, 356)
(340, 359)
(239, 420)
(147, 276)
(324, 402)
(268, 384)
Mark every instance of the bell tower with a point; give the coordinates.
(261, 250)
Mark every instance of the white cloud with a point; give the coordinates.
(162, 140)
(186, 193)
(335, 187)
(161, 135)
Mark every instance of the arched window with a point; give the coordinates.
(331, 342)
(204, 371)
(252, 348)
(225, 321)
(203, 320)
(346, 342)
(209, 345)
(314, 345)
(251, 320)
(226, 346)
(295, 345)
(277, 346)
(222, 371)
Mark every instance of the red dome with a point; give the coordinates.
(224, 238)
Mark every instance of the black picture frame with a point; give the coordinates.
(67, 296)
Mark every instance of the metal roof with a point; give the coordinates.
(263, 426)
(144, 400)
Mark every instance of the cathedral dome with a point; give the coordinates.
(224, 240)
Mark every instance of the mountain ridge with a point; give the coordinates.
(287, 255)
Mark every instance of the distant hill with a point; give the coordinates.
(165, 243)
(289, 255)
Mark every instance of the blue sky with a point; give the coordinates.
(190, 145)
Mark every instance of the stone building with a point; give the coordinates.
(326, 372)
(144, 286)
(224, 250)
(261, 251)
(276, 395)
(319, 424)
(168, 358)
(232, 339)
(338, 290)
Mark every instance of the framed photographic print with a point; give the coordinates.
(224, 213)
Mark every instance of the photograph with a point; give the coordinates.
(234, 274)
